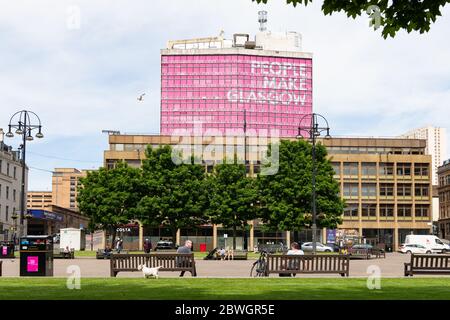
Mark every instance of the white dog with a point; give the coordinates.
(149, 272)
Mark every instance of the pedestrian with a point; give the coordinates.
(222, 253)
(182, 261)
(119, 245)
(147, 246)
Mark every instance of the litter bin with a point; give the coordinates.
(7, 250)
(36, 256)
(202, 247)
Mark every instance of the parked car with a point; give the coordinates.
(414, 248)
(165, 245)
(335, 246)
(308, 246)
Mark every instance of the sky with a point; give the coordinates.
(84, 75)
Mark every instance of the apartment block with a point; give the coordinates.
(39, 199)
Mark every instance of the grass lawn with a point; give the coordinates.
(225, 289)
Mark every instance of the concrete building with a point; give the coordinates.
(212, 84)
(10, 192)
(386, 184)
(436, 147)
(65, 183)
(444, 200)
(39, 199)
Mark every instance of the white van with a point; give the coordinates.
(428, 241)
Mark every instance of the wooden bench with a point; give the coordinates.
(360, 253)
(167, 261)
(428, 264)
(101, 254)
(378, 253)
(293, 264)
(60, 254)
(236, 255)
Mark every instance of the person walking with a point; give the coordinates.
(183, 262)
(147, 246)
(119, 245)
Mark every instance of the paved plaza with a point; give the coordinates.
(392, 266)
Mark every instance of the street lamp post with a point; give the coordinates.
(314, 130)
(24, 127)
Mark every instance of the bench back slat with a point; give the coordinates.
(308, 264)
(167, 262)
(430, 262)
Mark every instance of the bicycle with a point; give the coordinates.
(259, 267)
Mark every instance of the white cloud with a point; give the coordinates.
(83, 81)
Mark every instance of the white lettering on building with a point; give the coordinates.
(282, 81)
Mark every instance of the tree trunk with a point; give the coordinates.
(296, 236)
(234, 237)
(174, 236)
(114, 230)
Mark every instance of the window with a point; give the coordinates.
(351, 210)
(386, 169)
(351, 169)
(369, 190)
(421, 169)
(422, 210)
(403, 190)
(369, 169)
(369, 210)
(404, 210)
(337, 168)
(15, 172)
(7, 212)
(386, 210)
(421, 190)
(7, 169)
(351, 190)
(14, 194)
(403, 169)
(7, 192)
(386, 190)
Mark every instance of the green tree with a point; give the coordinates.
(109, 196)
(409, 15)
(232, 197)
(173, 195)
(286, 197)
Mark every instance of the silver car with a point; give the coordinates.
(308, 246)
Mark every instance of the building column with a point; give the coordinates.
(103, 239)
(141, 237)
(288, 239)
(324, 235)
(396, 242)
(251, 243)
(214, 236)
(178, 237)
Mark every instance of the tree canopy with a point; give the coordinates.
(173, 195)
(286, 197)
(409, 15)
(109, 196)
(232, 197)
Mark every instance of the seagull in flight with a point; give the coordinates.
(141, 97)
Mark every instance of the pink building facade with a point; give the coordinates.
(212, 90)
